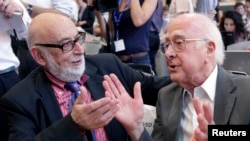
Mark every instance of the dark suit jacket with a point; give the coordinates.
(34, 113)
(232, 102)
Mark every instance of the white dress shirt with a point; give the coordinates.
(205, 92)
(7, 56)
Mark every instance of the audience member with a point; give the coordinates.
(218, 15)
(129, 26)
(154, 34)
(206, 7)
(86, 17)
(8, 60)
(246, 20)
(36, 7)
(44, 113)
(240, 8)
(166, 19)
(232, 22)
(178, 7)
(194, 52)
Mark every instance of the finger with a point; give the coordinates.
(105, 113)
(113, 89)
(118, 84)
(83, 95)
(208, 112)
(109, 115)
(137, 92)
(97, 105)
(199, 135)
(105, 107)
(203, 124)
(111, 96)
(108, 91)
(197, 106)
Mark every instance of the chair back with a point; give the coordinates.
(237, 61)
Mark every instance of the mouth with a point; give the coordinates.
(77, 62)
(172, 67)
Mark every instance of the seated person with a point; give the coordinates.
(232, 28)
(194, 55)
(43, 106)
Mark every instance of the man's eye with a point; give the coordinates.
(67, 43)
(167, 44)
(179, 42)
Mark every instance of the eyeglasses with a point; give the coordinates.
(178, 45)
(68, 46)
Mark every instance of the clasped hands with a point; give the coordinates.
(117, 103)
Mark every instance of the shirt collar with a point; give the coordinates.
(209, 86)
(61, 84)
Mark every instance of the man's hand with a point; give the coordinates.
(205, 118)
(8, 7)
(130, 113)
(95, 114)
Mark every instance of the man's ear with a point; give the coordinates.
(210, 48)
(38, 56)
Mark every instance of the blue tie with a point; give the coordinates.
(74, 87)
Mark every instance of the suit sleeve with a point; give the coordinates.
(24, 126)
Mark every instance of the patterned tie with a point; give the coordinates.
(74, 87)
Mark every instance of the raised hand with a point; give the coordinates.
(130, 113)
(205, 117)
(95, 114)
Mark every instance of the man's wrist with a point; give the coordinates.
(29, 8)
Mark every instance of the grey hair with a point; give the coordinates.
(206, 28)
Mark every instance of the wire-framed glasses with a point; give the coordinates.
(68, 46)
(178, 45)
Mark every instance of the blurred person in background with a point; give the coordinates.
(9, 62)
(207, 7)
(240, 7)
(129, 30)
(246, 20)
(86, 17)
(232, 22)
(178, 7)
(154, 34)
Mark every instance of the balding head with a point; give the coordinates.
(47, 27)
(198, 25)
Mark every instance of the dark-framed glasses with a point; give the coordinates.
(178, 45)
(68, 46)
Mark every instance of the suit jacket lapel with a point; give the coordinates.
(48, 98)
(94, 84)
(175, 102)
(176, 115)
(224, 97)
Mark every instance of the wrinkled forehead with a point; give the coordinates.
(186, 28)
(178, 33)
